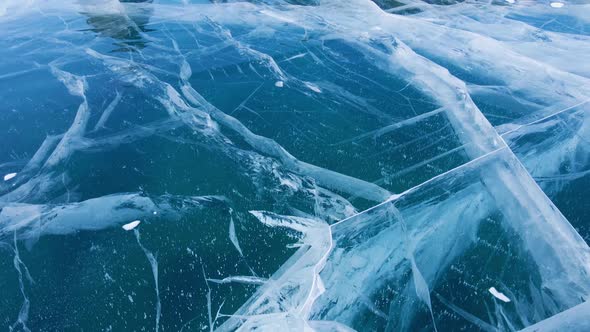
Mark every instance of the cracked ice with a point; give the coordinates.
(316, 165)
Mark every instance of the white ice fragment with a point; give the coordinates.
(279, 84)
(499, 295)
(131, 225)
(511, 1)
(557, 4)
(9, 176)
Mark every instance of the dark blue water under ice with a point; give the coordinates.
(294, 165)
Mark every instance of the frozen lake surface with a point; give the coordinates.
(296, 165)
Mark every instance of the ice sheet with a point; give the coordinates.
(306, 165)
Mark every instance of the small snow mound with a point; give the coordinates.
(557, 4)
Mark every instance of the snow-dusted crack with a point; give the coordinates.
(23, 271)
(154, 266)
(206, 114)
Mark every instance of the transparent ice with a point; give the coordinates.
(301, 165)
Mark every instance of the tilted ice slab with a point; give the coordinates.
(560, 48)
(574, 319)
(549, 135)
(450, 256)
(556, 152)
(433, 253)
(510, 192)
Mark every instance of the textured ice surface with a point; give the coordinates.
(297, 165)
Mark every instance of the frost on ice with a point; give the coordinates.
(310, 165)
